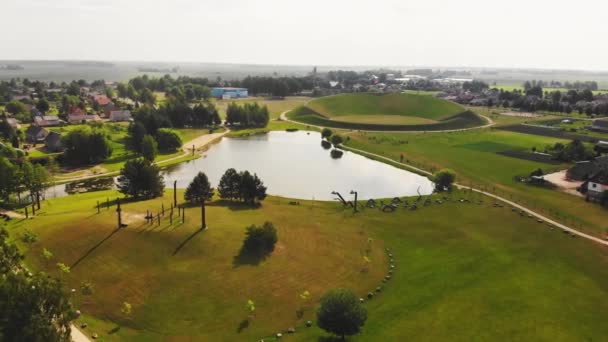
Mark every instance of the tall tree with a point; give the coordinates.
(229, 187)
(199, 189)
(149, 147)
(341, 313)
(140, 178)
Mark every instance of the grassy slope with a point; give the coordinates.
(473, 156)
(464, 272)
(423, 106)
(275, 107)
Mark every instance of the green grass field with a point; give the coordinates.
(422, 106)
(463, 271)
(275, 107)
(473, 156)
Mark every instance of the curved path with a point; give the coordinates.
(199, 142)
(78, 336)
(490, 123)
(502, 199)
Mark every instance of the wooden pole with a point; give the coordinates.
(27, 214)
(163, 208)
(107, 203)
(203, 219)
(171, 216)
(183, 215)
(33, 209)
(98, 207)
(175, 193)
(158, 217)
(119, 213)
(38, 200)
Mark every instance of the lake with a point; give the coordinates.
(295, 165)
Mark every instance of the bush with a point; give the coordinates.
(444, 179)
(336, 154)
(341, 313)
(326, 144)
(260, 240)
(168, 141)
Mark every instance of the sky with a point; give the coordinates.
(467, 33)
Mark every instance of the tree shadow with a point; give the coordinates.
(94, 248)
(114, 330)
(331, 339)
(246, 257)
(235, 206)
(179, 248)
(242, 326)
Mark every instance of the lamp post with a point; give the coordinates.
(353, 192)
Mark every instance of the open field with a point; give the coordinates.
(464, 271)
(476, 158)
(275, 107)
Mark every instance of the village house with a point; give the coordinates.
(13, 123)
(597, 185)
(47, 121)
(75, 119)
(583, 170)
(120, 115)
(600, 125)
(101, 100)
(36, 134)
(108, 109)
(52, 142)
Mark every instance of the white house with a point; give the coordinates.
(120, 115)
(597, 184)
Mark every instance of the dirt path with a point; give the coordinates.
(561, 180)
(490, 123)
(513, 204)
(198, 144)
(78, 336)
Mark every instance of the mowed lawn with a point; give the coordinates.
(464, 271)
(472, 155)
(407, 104)
(275, 107)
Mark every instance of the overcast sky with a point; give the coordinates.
(485, 33)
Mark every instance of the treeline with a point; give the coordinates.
(275, 86)
(242, 186)
(535, 99)
(576, 85)
(20, 176)
(247, 115)
(184, 88)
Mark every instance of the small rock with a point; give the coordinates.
(390, 271)
(384, 280)
(78, 313)
(388, 277)
(390, 255)
(291, 330)
(95, 336)
(392, 266)
(309, 323)
(361, 300)
(279, 335)
(379, 289)
(84, 325)
(370, 295)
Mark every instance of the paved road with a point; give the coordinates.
(502, 199)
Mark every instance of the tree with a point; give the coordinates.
(326, 133)
(84, 145)
(140, 178)
(336, 140)
(15, 107)
(149, 147)
(43, 105)
(9, 181)
(341, 313)
(168, 140)
(260, 240)
(136, 133)
(444, 179)
(251, 188)
(199, 189)
(229, 187)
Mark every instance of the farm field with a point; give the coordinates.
(476, 159)
(464, 271)
(404, 112)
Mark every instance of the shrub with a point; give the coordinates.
(168, 141)
(341, 313)
(336, 154)
(444, 179)
(260, 240)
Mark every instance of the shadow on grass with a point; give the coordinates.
(114, 330)
(251, 258)
(94, 248)
(179, 248)
(236, 206)
(331, 339)
(242, 326)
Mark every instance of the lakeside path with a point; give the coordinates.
(502, 199)
(198, 143)
(78, 336)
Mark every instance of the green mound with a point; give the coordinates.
(403, 112)
(423, 106)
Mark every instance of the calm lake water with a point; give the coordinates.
(294, 165)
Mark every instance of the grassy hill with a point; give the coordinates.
(464, 271)
(406, 111)
(422, 106)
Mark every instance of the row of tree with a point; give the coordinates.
(247, 115)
